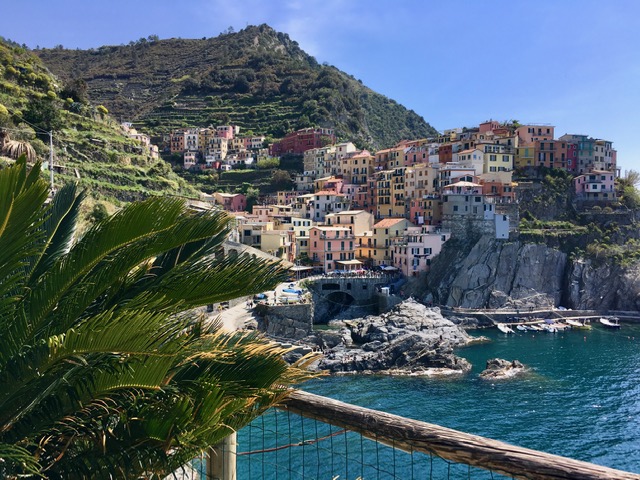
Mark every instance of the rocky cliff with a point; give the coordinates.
(489, 273)
(409, 339)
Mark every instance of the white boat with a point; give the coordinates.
(504, 328)
(550, 329)
(534, 328)
(522, 328)
(609, 324)
(578, 325)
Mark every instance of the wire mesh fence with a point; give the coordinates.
(281, 445)
(314, 437)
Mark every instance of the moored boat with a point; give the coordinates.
(578, 325)
(522, 328)
(609, 323)
(504, 328)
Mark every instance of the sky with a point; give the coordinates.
(574, 64)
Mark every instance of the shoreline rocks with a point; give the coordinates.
(410, 339)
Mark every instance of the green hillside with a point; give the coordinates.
(257, 78)
(90, 147)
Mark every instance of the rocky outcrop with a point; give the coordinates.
(603, 286)
(409, 339)
(497, 274)
(518, 275)
(499, 369)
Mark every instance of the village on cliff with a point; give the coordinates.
(395, 208)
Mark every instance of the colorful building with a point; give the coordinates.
(300, 141)
(413, 251)
(331, 245)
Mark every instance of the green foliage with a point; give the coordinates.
(5, 118)
(44, 114)
(102, 110)
(105, 370)
(265, 163)
(281, 180)
(630, 197)
(99, 213)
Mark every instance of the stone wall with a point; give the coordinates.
(288, 321)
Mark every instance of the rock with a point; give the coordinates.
(499, 369)
(409, 339)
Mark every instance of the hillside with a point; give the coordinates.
(257, 78)
(90, 147)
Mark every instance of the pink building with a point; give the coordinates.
(226, 131)
(596, 185)
(302, 140)
(231, 202)
(413, 251)
(488, 126)
(531, 133)
(333, 248)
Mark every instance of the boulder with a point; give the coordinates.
(500, 369)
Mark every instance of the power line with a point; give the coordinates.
(34, 126)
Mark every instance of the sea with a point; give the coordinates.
(581, 399)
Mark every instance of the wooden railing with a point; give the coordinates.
(454, 446)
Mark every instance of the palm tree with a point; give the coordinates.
(104, 371)
(16, 148)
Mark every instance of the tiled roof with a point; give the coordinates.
(387, 222)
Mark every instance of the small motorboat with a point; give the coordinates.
(578, 325)
(504, 328)
(609, 323)
(522, 328)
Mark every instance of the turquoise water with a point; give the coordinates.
(581, 400)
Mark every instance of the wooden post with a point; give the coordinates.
(221, 461)
(413, 435)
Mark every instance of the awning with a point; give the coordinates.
(349, 262)
(389, 268)
(300, 268)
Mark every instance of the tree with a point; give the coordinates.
(98, 213)
(104, 371)
(281, 179)
(43, 113)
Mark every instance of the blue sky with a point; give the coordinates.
(574, 64)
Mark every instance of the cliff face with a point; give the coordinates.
(603, 287)
(497, 274)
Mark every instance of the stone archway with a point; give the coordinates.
(336, 302)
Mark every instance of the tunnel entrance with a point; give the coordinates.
(337, 302)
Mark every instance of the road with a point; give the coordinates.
(239, 315)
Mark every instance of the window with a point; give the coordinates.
(329, 256)
(455, 208)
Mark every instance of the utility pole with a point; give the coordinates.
(51, 159)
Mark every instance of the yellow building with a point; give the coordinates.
(398, 208)
(525, 156)
(497, 158)
(375, 248)
(383, 194)
(357, 168)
